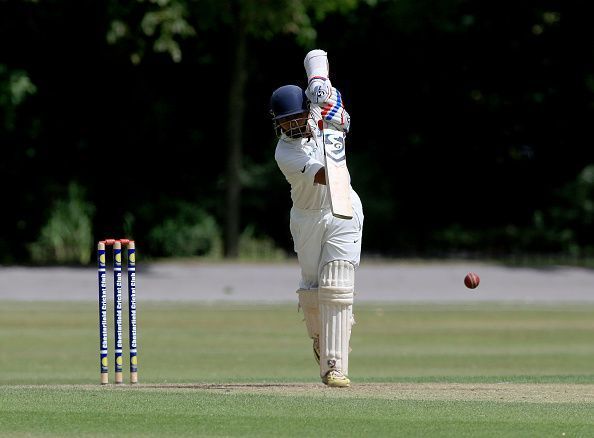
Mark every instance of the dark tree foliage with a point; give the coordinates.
(471, 123)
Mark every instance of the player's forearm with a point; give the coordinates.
(320, 177)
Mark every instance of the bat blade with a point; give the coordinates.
(337, 174)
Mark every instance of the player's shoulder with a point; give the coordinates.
(286, 147)
(280, 146)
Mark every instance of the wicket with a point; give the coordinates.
(118, 306)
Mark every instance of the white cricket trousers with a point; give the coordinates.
(320, 238)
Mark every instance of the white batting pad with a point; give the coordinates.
(335, 296)
(308, 302)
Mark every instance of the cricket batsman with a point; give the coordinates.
(328, 246)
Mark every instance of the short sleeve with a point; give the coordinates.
(296, 164)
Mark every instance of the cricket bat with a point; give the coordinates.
(338, 179)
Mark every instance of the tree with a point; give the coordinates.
(164, 24)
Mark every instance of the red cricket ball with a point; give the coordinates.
(471, 280)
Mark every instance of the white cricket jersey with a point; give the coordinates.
(318, 236)
(299, 160)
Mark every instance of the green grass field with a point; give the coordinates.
(247, 370)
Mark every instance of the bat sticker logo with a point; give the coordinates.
(337, 144)
(320, 92)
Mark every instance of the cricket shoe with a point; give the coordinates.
(335, 379)
(316, 349)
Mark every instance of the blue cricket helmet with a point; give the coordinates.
(288, 100)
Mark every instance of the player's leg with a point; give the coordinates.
(335, 296)
(342, 238)
(307, 235)
(308, 303)
(340, 257)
